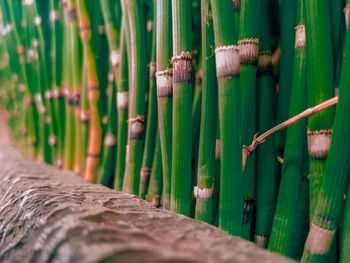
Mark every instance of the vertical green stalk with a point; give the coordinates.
(95, 132)
(330, 199)
(266, 177)
(122, 107)
(182, 108)
(320, 88)
(345, 249)
(29, 118)
(107, 166)
(293, 167)
(152, 119)
(230, 212)
(138, 83)
(55, 76)
(34, 77)
(73, 98)
(112, 28)
(156, 182)
(207, 171)
(84, 118)
(248, 55)
(338, 33)
(69, 143)
(288, 18)
(165, 93)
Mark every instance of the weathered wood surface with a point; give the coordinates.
(47, 215)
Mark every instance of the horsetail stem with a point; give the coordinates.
(204, 192)
(137, 79)
(293, 167)
(152, 119)
(230, 209)
(248, 55)
(95, 132)
(164, 77)
(182, 108)
(325, 216)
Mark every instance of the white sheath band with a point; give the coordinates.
(115, 58)
(300, 37)
(319, 143)
(319, 240)
(248, 51)
(227, 61)
(202, 194)
(164, 83)
(122, 100)
(54, 16)
(109, 140)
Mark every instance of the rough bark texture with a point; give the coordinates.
(47, 215)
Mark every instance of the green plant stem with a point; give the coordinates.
(345, 249)
(107, 168)
(266, 172)
(123, 87)
(182, 108)
(249, 33)
(207, 166)
(95, 132)
(287, 34)
(320, 88)
(112, 28)
(338, 33)
(68, 159)
(330, 199)
(138, 83)
(294, 167)
(165, 99)
(156, 182)
(230, 207)
(152, 118)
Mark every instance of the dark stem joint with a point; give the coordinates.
(248, 51)
(136, 128)
(182, 68)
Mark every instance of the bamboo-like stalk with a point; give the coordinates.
(112, 28)
(287, 18)
(266, 172)
(152, 119)
(330, 199)
(95, 132)
(84, 117)
(28, 95)
(165, 93)
(301, 222)
(138, 83)
(39, 43)
(230, 210)
(34, 79)
(182, 108)
(107, 167)
(122, 107)
(249, 50)
(320, 88)
(68, 159)
(206, 197)
(345, 248)
(12, 63)
(338, 33)
(155, 188)
(73, 97)
(293, 167)
(55, 76)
